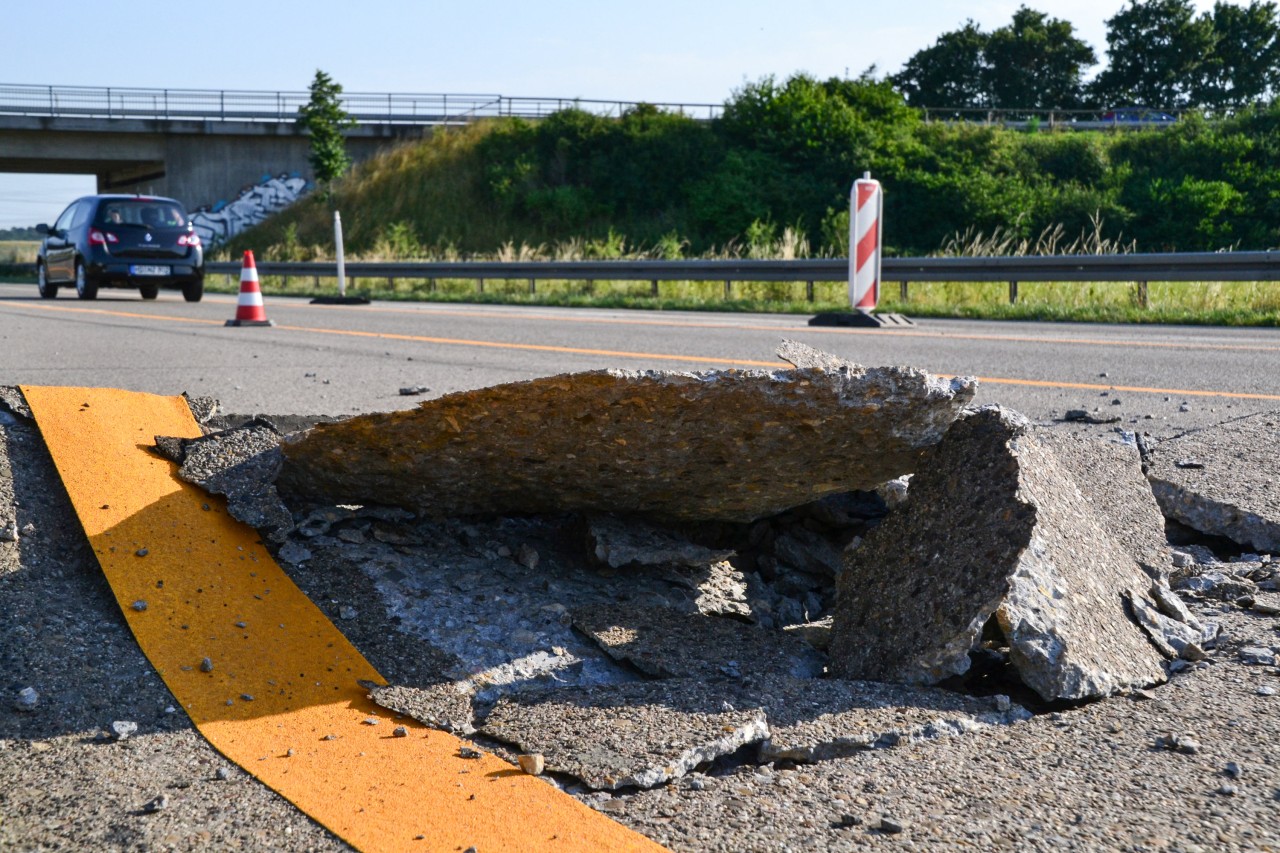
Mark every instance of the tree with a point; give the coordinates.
(951, 73)
(1157, 51)
(1036, 62)
(1244, 65)
(324, 119)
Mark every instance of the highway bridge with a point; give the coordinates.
(215, 150)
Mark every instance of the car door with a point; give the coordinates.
(60, 250)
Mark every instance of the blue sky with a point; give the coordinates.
(658, 50)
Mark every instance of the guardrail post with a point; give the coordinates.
(431, 285)
(654, 288)
(1013, 292)
(903, 294)
(808, 291)
(479, 285)
(533, 286)
(728, 289)
(1142, 295)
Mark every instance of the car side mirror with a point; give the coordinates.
(42, 228)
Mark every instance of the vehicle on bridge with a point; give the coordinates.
(128, 241)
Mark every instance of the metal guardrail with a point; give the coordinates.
(1177, 266)
(1139, 269)
(366, 108)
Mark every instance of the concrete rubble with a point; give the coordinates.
(996, 543)
(241, 463)
(649, 443)
(1223, 480)
(631, 585)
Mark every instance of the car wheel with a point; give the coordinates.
(193, 291)
(48, 290)
(86, 288)
(149, 291)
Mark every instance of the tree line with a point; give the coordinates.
(1161, 54)
(785, 152)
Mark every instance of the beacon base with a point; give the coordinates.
(863, 319)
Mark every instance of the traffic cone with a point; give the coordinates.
(249, 310)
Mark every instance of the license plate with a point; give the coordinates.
(148, 269)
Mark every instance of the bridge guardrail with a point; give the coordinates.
(1137, 268)
(370, 108)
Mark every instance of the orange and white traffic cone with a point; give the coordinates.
(249, 309)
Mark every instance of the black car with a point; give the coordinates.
(133, 241)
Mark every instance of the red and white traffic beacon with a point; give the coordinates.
(866, 209)
(866, 212)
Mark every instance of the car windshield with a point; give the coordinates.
(143, 212)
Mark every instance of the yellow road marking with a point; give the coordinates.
(281, 699)
(732, 362)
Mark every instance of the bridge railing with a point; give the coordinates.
(367, 108)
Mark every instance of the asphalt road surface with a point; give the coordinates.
(339, 360)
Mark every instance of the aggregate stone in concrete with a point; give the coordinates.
(667, 643)
(1109, 474)
(618, 542)
(626, 735)
(202, 408)
(1223, 480)
(444, 706)
(718, 445)
(995, 527)
(819, 720)
(241, 463)
(11, 398)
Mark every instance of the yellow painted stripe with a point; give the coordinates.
(281, 699)
(697, 359)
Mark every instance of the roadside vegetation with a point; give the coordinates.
(770, 178)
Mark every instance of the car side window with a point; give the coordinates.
(81, 215)
(64, 221)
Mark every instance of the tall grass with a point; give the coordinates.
(18, 251)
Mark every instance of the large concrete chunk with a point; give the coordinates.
(1109, 474)
(995, 527)
(1223, 480)
(724, 445)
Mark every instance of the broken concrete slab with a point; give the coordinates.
(1109, 474)
(718, 445)
(819, 720)
(667, 643)
(626, 735)
(995, 527)
(646, 734)
(445, 706)
(618, 542)
(1223, 480)
(241, 463)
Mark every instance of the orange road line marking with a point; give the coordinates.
(393, 336)
(280, 696)
(758, 327)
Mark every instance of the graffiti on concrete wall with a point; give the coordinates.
(220, 222)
